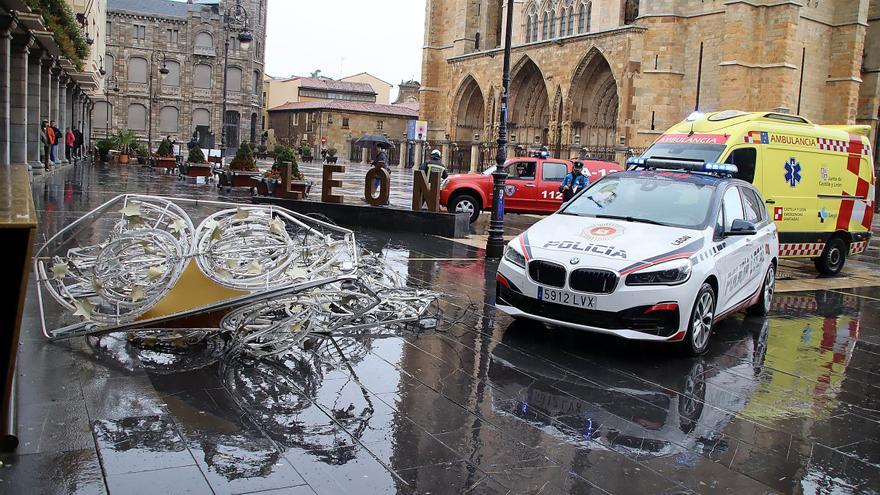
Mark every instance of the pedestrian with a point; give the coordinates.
(435, 164)
(69, 141)
(573, 182)
(59, 142)
(78, 145)
(323, 155)
(53, 140)
(381, 161)
(45, 144)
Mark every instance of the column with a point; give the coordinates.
(61, 115)
(404, 153)
(5, 63)
(475, 157)
(446, 151)
(18, 138)
(48, 85)
(33, 109)
(365, 155)
(90, 110)
(417, 158)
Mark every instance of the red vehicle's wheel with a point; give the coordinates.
(465, 203)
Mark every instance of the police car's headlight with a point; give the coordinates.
(670, 273)
(514, 256)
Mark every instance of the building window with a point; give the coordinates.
(545, 30)
(571, 21)
(201, 117)
(562, 23)
(552, 25)
(233, 79)
(380, 124)
(140, 33)
(529, 29)
(137, 70)
(173, 36)
(204, 41)
(477, 42)
(173, 76)
(202, 76)
(168, 119)
(109, 29)
(232, 128)
(257, 82)
(582, 18)
(137, 117)
(345, 122)
(296, 119)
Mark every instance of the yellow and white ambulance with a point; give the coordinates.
(817, 181)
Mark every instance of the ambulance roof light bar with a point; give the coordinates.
(638, 162)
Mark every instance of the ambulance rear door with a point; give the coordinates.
(790, 189)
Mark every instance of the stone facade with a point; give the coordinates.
(188, 39)
(610, 75)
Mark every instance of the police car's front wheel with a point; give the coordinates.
(833, 257)
(762, 307)
(702, 318)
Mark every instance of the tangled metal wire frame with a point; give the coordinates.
(298, 275)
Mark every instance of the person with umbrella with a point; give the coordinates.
(381, 161)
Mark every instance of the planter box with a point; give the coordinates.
(299, 189)
(235, 178)
(163, 162)
(199, 169)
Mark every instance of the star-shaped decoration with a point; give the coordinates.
(297, 328)
(254, 268)
(276, 226)
(296, 272)
(155, 272)
(132, 209)
(241, 214)
(232, 264)
(97, 284)
(60, 270)
(178, 226)
(84, 308)
(223, 273)
(137, 294)
(217, 234)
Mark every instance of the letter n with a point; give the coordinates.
(328, 183)
(425, 193)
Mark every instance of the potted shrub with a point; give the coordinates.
(305, 151)
(124, 141)
(241, 170)
(104, 146)
(197, 165)
(331, 155)
(141, 152)
(164, 156)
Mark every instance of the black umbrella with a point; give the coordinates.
(377, 139)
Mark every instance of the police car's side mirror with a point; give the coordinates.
(742, 227)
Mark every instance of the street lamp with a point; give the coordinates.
(107, 83)
(235, 19)
(495, 242)
(163, 73)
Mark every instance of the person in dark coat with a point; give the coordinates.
(574, 181)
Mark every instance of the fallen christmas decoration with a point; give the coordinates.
(266, 275)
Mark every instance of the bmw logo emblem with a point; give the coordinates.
(574, 261)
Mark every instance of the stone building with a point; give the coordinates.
(187, 38)
(610, 75)
(43, 77)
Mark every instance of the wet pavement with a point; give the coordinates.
(786, 404)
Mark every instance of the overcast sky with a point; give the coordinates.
(346, 37)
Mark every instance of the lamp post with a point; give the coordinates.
(107, 82)
(163, 71)
(495, 242)
(235, 19)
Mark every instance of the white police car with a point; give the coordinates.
(648, 254)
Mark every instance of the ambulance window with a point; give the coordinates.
(732, 206)
(744, 159)
(752, 206)
(554, 171)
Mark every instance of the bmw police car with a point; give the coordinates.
(658, 253)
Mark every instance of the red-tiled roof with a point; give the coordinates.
(331, 85)
(351, 106)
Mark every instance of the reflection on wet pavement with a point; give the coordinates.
(480, 404)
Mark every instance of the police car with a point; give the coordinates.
(658, 253)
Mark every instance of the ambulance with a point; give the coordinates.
(817, 181)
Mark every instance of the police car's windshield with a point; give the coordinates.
(646, 199)
(697, 152)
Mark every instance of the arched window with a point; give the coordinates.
(201, 117)
(168, 119)
(137, 70)
(563, 23)
(109, 64)
(257, 82)
(232, 128)
(570, 21)
(173, 76)
(204, 40)
(535, 27)
(101, 117)
(553, 24)
(137, 117)
(202, 76)
(589, 16)
(233, 78)
(528, 29)
(545, 29)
